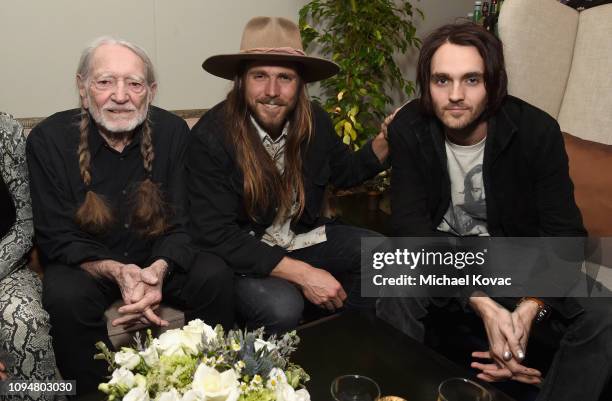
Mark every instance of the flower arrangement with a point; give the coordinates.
(199, 363)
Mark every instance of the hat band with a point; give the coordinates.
(277, 50)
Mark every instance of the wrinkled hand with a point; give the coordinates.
(128, 278)
(145, 296)
(322, 289)
(508, 334)
(3, 375)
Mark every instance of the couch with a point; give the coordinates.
(560, 60)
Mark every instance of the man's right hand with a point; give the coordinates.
(321, 288)
(318, 285)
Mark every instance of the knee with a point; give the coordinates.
(71, 294)
(270, 302)
(284, 315)
(595, 323)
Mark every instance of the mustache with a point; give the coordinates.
(272, 101)
(114, 108)
(455, 106)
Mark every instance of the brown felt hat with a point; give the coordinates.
(274, 39)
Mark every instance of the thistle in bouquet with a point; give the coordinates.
(199, 363)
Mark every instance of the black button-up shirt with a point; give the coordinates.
(58, 191)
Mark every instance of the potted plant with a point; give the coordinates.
(362, 36)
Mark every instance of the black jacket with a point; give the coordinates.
(528, 189)
(219, 221)
(525, 170)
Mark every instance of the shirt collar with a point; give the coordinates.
(265, 136)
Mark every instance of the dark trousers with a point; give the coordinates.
(277, 304)
(76, 302)
(582, 364)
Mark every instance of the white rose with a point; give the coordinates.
(171, 395)
(259, 344)
(284, 392)
(127, 358)
(214, 385)
(193, 395)
(197, 330)
(123, 376)
(137, 394)
(302, 395)
(150, 356)
(140, 380)
(171, 343)
(275, 377)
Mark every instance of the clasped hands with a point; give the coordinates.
(508, 334)
(141, 289)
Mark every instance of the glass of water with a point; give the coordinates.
(460, 389)
(355, 388)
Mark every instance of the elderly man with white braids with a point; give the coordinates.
(108, 195)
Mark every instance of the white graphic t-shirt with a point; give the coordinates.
(467, 213)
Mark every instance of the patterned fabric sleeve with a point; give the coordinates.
(18, 240)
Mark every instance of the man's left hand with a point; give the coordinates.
(522, 319)
(144, 310)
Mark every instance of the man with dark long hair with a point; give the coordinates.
(258, 165)
(469, 159)
(108, 195)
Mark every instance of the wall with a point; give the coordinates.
(41, 41)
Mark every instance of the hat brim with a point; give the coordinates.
(227, 65)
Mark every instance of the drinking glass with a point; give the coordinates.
(354, 388)
(460, 389)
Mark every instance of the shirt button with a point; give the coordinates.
(124, 192)
(121, 158)
(126, 225)
(125, 254)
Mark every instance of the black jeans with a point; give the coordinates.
(277, 304)
(76, 302)
(581, 366)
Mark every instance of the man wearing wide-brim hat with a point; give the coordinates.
(258, 166)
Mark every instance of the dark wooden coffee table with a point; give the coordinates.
(353, 344)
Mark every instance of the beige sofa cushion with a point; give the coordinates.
(538, 41)
(586, 111)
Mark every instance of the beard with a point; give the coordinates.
(272, 120)
(455, 120)
(119, 126)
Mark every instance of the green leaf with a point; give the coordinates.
(361, 36)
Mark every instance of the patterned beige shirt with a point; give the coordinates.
(280, 233)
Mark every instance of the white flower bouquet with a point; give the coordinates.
(199, 363)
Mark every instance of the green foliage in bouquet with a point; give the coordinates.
(361, 36)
